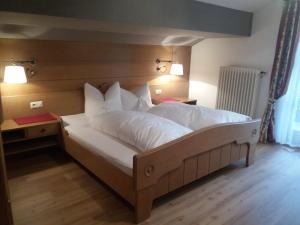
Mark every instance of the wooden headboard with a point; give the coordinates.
(64, 66)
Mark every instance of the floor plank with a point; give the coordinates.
(51, 189)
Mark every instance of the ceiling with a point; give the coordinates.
(244, 5)
(109, 21)
(29, 26)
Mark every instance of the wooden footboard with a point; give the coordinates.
(189, 158)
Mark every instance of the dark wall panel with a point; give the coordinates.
(179, 14)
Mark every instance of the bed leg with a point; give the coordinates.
(143, 207)
(250, 155)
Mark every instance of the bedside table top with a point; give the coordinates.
(172, 99)
(10, 124)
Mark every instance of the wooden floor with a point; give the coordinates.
(50, 189)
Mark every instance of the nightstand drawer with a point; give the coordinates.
(42, 130)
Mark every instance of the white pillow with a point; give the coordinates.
(94, 100)
(96, 104)
(113, 98)
(144, 92)
(139, 100)
(129, 100)
(143, 105)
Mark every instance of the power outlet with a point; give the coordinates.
(36, 104)
(158, 91)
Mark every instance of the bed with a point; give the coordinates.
(164, 169)
(140, 178)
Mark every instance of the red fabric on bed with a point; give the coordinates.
(34, 119)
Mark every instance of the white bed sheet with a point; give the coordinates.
(78, 119)
(118, 153)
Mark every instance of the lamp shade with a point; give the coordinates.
(15, 75)
(176, 69)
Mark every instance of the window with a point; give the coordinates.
(287, 110)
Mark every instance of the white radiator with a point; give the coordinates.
(238, 89)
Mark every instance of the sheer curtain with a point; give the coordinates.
(287, 110)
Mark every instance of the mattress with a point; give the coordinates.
(113, 150)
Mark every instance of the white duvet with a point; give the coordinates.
(195, 117)
(143, 130)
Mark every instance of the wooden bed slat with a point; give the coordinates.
(225, 155)
(244, 150)
(176, 178)
(235, 152)
(190, 170)
(215, 160)
(203, 164)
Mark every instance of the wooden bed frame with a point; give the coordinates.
(172, 165)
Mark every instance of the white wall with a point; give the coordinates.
(256, 51)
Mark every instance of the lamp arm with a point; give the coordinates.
(32, 61)
(160, 60)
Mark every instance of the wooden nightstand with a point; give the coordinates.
(23, 138)
(185, 100)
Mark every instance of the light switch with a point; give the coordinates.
(36, 104)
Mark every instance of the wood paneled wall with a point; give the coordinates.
(64, 66)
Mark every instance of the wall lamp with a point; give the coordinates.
(162, 69)
(176, 68)
(15, 72)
